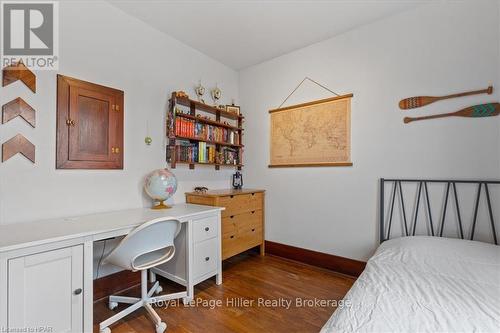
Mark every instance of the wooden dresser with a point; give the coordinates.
(242, 220)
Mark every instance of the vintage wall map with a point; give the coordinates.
(312, 134)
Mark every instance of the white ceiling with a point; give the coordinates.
(240, 34)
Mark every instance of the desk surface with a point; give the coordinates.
(21, 235)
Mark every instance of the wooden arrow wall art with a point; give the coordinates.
(18, 144)
(19, 72)
(18, 107)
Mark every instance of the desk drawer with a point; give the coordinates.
(236, 204)
(205, 257)
(204, 229)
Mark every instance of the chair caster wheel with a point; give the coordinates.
(105, 330)
(160, 328)
(112, 306)
(158, 290)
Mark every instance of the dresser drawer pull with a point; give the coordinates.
(253, 229)
(253, 194)
(232, 216)
(207, 258)
(232, 236)
(207, 228)
(253, 211)
(231, 196)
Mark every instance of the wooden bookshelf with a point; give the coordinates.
(208, 121)
(205, 108)
(218, 122)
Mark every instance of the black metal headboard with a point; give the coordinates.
(434, 228)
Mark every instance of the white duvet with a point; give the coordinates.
(425, 284)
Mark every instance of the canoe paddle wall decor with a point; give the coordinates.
(18, 144)
(419, 101)
(19, 72)
(476, 111)
(18, 107)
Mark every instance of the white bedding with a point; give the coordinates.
(425, 284)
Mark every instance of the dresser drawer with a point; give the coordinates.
(236, 204)
(204, 229)
(230, 224)
(205, 257)
(241, 232)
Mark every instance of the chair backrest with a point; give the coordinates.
(149, 245)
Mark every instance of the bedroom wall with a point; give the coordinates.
(435, 49)
(102, 44)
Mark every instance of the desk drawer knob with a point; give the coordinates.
(232, 236)
(78, 291)
(207, 228)
(253, 229)
(253, 211)
(232, 216)
(207, 258)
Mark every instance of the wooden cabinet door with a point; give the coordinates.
(90, 125)
(45, 290)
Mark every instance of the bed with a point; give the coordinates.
(427, 283)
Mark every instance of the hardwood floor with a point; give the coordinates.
(247, 276)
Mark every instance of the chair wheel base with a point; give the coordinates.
(105, 330)
(112, 306)
(160, 328)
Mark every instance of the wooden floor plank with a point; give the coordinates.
(246, 277)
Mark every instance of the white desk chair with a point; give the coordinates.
(149, 245)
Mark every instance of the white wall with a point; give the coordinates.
(101, 44)
(435, 49)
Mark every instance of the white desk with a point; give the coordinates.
(43, 263)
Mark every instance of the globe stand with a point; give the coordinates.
(161, 205)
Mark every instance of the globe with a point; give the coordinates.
(160, 185)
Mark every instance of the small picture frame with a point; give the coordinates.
(233, 109)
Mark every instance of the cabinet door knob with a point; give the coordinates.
(207, 258)
(207, 228)
(78, 291)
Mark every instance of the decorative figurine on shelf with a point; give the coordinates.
(200, 91)
(181, 93)
(237, 180)
(216, 95)
(160, 185)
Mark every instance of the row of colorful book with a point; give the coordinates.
(192, 129)
(202, 153)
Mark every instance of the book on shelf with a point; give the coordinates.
(201, 152)
(196, 130)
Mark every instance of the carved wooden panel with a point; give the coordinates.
(18, 144)
(19, 72)
(18, 107)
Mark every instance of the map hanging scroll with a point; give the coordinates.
(312, 134)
